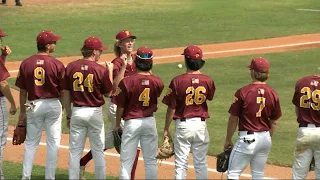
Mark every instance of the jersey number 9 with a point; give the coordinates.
(39, 74)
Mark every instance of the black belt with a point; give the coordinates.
(76, 105)
(252, 132)
(184, 119)
(306, 125)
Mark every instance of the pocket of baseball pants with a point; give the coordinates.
(246, 144)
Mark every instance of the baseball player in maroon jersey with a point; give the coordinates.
(136, 98)
(85, 83)
(186, 99)
(5, 51)
(306, 101)
(255, 109)
(40, 80)
(124, 66)
(4, 93)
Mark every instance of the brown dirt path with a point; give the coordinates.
(166, 171)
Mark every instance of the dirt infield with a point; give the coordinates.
(15, 153)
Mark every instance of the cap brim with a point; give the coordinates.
(57, 38)
(104, 48)
(133, 37)
(3, 35)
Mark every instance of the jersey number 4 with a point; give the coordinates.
(310, 98)
(145, 97)
(77, 83)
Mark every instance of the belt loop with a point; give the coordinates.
(203, 119)
(183, 119)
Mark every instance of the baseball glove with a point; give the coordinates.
(166, 150)
(223, 160)
(20, 132)
(117, 140)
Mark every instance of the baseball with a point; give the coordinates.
(179, 65)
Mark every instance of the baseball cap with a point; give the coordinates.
(144, 54)
(2, 34)
(124, 34)
(193, 52)
(259, 64)
(47, 37)
(94, 43)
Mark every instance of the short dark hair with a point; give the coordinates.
(261, 76)
(86, 52)
(194, 64)
(41, 48)
(143, 65)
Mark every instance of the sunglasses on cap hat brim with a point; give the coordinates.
(145, 56)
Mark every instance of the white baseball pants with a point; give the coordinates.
(308, 146)
(3, 129)
(249, 148)
(111, 112)
(48, 112)
(191, 135)
(145, 131)
(87, 121)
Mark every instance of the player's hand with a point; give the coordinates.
(124, 60)
(6, 50)
(13, 109)
(22, 116)
(109, 65)
(166, 133)
(117, 128)
(228, 145)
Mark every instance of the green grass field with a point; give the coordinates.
(172, 23)
(157, 24)
(14, 170)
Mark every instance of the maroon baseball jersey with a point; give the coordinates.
(130, 69)
(4, 74)
(87, 81)
(41, 76)
(2, 59)
(255, 105)
(138, 95)
(188, 93)
(306, 98)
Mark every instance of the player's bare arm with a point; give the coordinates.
(232, 126)
(169, 117)
(119, 114)
(23, 100)
(273, 126)
(5, 89)
(5, 51)
(109, 66)
(67, 105)
(120, 76)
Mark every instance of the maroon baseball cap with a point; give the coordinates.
(94, 43)
(144, 54)
(2, 34)
(259, 64)
(124, 34)
(47, 37)
(193, 52)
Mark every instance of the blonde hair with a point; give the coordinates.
(116, 48)
(261, 76)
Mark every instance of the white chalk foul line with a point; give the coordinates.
(312, 10)
(229, 51)
(141, 159)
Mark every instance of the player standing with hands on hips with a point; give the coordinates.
(306, 101)
(85, 84)
(124, 66)
(256, 109)
(5, 93)
(136, 98)
(40, 80)
(186, 99)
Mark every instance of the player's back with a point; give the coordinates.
(307, 99)
(142, 95)
(259, 105)
(41, 76)
(87, 81)
(192, 91)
